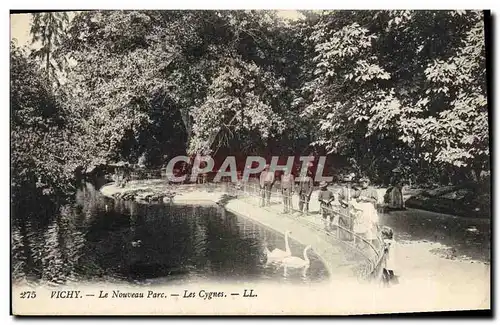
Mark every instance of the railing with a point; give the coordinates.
(372, 254)
(138, 173)
(145, 174)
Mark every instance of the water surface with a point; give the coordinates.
(101, 239)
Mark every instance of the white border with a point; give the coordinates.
(255, 4)
(192, 4)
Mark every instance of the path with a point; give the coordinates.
(439, 260)
(340, 260)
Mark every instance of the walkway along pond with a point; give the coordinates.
(341, 259)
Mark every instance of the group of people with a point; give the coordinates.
(289, 185)
(357, 213)
(358, 204)
(355, 218)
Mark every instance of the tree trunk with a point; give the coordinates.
(186, 120)
(47, 64)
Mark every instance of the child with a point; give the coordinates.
(390, 246)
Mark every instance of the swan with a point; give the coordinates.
(278, 254)
(297, 262)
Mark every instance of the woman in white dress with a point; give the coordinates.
(366, 222)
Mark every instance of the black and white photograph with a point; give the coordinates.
(250, 162)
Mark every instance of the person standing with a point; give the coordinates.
(390, 259)
(325, 198)
(305, 188)
(287, 189)
(266, 184)
(345, 221)
(127, 173)
(246, 180)
(367, 199)
(396, 201)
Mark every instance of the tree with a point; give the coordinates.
(48, 28)
(460, 131)
(117, 81)
(391, 87)
(43, 155)
(133, 64)
(374, 88)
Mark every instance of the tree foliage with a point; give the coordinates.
(376, 89)
(43, 152)
(48, 29)
(391, 87)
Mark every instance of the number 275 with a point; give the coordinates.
(28, 294)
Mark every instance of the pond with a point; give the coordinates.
(101, 239)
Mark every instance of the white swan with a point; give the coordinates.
(278, 254)
(297, 262)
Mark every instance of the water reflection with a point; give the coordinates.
(108, 240)
(453, 232)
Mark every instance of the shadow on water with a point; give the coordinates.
(100, 239)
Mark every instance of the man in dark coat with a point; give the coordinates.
(266, 183)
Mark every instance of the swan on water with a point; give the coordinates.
(297, 262)
(278, 254)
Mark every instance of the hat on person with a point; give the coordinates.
(323, 184)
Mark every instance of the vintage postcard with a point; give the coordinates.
(249, 162)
